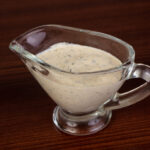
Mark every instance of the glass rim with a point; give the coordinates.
(26, 54)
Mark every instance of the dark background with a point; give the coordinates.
(25, 109)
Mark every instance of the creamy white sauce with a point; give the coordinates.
(79, 93)
(78, 58)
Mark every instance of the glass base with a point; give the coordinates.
(81, 124)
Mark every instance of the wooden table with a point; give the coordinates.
(26, 110)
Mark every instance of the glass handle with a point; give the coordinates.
(131, 97)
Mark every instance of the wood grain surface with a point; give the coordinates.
(26, 110)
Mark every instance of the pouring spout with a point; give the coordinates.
(15, 47)
(29, 59)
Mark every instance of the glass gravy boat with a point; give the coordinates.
(84, 105)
